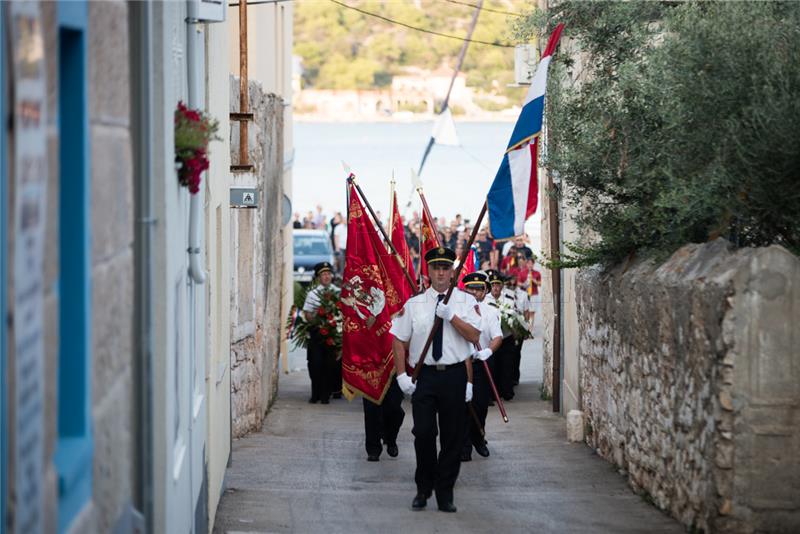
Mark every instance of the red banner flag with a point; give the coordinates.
(399, 241)
(368, 299)
(430, 239)
(469, 267)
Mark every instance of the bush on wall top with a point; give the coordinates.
(678, 125)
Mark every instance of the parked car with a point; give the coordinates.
(310, 248)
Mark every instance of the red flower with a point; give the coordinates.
(321, 312)
(323, 331)
(329, 341)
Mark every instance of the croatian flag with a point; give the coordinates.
(514, 194)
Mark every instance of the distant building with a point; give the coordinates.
(355, 104)
(416, 87)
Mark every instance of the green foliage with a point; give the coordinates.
(678, 125)
(412, 107)
(328, 320)
(345, 49)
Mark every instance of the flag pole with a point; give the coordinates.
(392, 184)
(437, 322)
(459, 62)
(427, 212)
(352, 179)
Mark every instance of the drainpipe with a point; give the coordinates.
(196, 270)
(141, 59)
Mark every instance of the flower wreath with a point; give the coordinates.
(328, 320)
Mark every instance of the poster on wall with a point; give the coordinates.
(30, 210)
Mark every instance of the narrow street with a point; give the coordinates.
(307, 472)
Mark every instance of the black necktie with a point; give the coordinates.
(438, 336)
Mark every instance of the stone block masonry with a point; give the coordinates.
(257, 266)
(690, 380)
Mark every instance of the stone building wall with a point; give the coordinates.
(110, 271)
(258, 263)
(690, 376)
(112, 263)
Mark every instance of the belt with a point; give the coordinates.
(441, 366)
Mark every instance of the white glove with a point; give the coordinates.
(468, 396)
(406, 385)
(483, 354)
(445, 311)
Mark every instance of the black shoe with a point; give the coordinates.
(448, 507)
(325, 401)
(313, 400)
(419, 502)
(466, 456)
(337, 395)
(483, 450)
(391, 450)
(373, 457)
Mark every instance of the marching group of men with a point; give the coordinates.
(452, 393)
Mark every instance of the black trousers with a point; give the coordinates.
(439, 395)
(335, 374)
(504, 368)
(383, 422)
(481, 393)
(318, 357)
(517, 361)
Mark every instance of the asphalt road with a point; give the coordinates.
(307, 472)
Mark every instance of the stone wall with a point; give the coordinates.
(115, 439)
(110, 272)
(257, 267)
(690, 379)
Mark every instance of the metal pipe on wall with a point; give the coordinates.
(196, 269)
(141, 23)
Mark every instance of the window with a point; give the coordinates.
(74, 448)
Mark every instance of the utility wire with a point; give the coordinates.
(489, 9)
(257, 2)
(423, 30)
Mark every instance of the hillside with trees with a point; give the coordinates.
(343, 48)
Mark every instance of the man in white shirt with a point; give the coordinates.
(445, 380)
(340, 244)
(321, 362)
(476, 284)
(503, 357)
(522, 305)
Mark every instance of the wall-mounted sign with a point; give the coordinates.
(30, 213)
(242, 197)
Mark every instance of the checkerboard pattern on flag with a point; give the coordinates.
(514, 194)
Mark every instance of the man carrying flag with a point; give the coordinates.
(369, 297)
(513, 196)
(444, 382)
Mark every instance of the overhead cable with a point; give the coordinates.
(489, 9)
(423, 30)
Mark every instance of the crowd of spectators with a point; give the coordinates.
(514, 258)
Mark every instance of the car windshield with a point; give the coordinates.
(311, 245)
